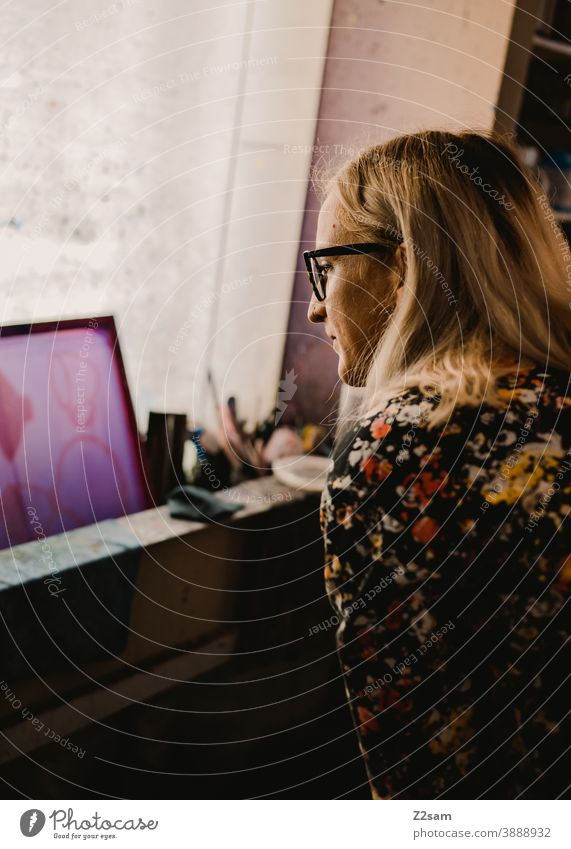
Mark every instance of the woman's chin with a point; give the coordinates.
(345, 374)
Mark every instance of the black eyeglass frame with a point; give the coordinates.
(362, 248)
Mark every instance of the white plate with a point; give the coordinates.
(302, 471)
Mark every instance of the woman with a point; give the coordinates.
(444, 282)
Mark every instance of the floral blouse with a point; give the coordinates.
(447, 566)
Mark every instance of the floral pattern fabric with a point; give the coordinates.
(447, 565)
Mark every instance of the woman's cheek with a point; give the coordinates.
(339, 308)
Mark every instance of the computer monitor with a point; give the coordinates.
(70, 453)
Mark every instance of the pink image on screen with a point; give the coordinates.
(69, 451)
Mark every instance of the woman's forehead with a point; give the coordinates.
(330, 228)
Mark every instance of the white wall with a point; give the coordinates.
(121, 125)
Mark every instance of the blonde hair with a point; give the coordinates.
(487, 276)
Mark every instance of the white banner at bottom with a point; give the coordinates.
(286, 824)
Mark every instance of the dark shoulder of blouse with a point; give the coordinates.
(447, 566)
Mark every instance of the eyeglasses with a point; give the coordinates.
(318, 273)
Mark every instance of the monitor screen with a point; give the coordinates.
(70, 453)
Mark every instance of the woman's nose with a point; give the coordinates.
(316, 311)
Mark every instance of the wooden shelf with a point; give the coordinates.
(533, 98)
(551, 45)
